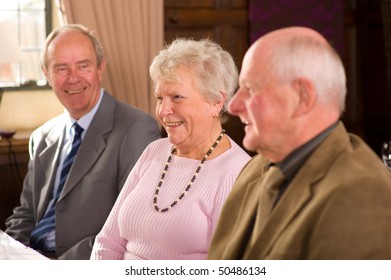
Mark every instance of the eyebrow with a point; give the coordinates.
(78, 62)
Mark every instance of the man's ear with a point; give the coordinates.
(101, 69)
(306, 91)
(45, 72)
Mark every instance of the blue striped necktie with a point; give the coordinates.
(48, 222)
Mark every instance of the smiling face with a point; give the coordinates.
(190, 121)
(73, 73)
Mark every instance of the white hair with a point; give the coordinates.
(304, 56)
(214, 68)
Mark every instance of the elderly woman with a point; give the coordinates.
(171, 201)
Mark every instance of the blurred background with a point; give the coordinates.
(360, 30)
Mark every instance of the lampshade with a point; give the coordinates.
(9, 48)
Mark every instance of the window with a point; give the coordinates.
(30, 21)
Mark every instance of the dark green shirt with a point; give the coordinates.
(292, 163)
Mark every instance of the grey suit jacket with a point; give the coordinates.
(338, 206)
(113, 143)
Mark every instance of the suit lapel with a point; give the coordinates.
(241, 231)
(299, 192)
(93, 143)
(49, 161)
(296, 196)
(243, 202)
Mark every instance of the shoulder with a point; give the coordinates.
(159, 147)
(344, 166)
(237, 151)
(126, 116)
(128, 110)
(136, 117)
(54, 124)
(160, 144)
(110, 106)
(252, 170)
(230, 163)
(233, 158)
(358, 167)
(348, 156)
(48, 133)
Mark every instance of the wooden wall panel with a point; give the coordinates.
(13, 168)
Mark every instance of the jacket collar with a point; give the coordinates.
(300, 191)
(93, 143)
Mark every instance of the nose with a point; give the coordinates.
(164, 107)
(236, 104)
(73, 75)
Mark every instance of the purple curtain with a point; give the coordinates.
(325, 16)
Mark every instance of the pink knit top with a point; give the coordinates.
(135, 230)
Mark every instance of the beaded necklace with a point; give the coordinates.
(173, 151)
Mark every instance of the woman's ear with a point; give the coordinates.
(307, 95)
(218, 105)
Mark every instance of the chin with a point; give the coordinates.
(249, 144)
(173, 140)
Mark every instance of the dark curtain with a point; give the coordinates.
(325, 16)
(386, 16)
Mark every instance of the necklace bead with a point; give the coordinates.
(188, 187)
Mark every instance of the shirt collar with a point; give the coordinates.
(85, 120)
(291, 164)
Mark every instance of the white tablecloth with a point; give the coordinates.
(10, 249)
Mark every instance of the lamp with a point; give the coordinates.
(9, 53)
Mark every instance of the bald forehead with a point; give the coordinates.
(297, 31)
(70, 38)
(285, 34)
(70, 34)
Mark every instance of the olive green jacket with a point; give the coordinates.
(338, 206)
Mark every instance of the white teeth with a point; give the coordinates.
(245, 122)
(74, 91)
(171, 124)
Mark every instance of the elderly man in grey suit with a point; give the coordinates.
(314, 191)
(76, 171)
